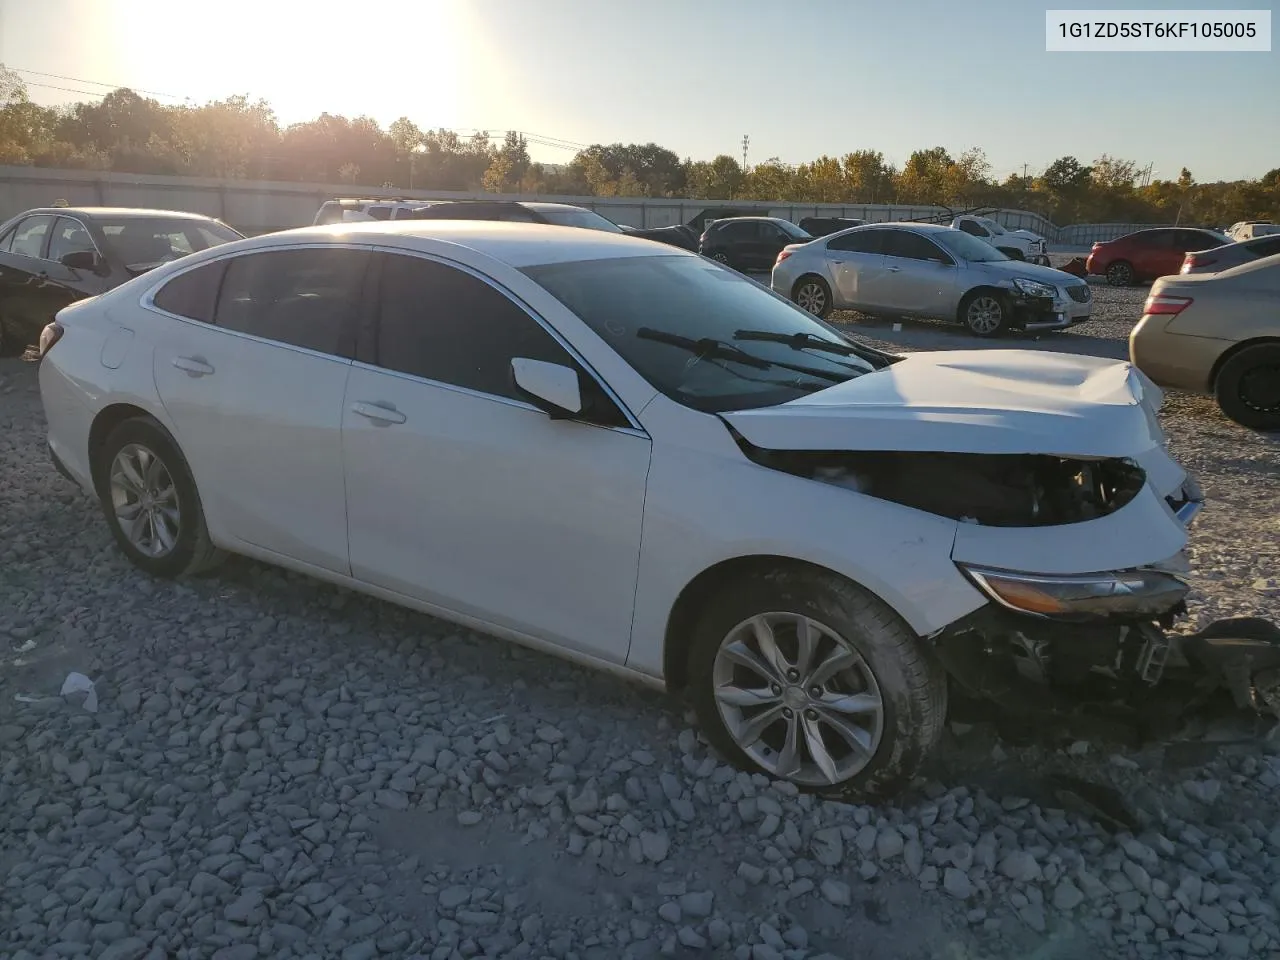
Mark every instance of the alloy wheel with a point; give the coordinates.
(144, 499)
(1119, 274)
(811, 298)
(985, 314)
(798, 699)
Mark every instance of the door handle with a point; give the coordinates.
(378, 412)
(195, 366)
(894, 269)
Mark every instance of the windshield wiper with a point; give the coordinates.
(705, 347)
(802, 341)
(708, 347)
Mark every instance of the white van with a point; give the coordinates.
(1250, 229)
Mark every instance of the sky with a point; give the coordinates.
(799, 78)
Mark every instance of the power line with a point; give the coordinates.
(93, 83)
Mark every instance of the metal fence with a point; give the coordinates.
(264, 206)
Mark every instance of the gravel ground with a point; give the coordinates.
(278, 768)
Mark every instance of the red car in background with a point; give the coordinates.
(1148, 254)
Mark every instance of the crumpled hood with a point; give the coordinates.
(973, 401)
(1026, 234)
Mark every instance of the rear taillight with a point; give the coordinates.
(50, 335)
(782, 255)
(1194, 260)
(1165, 306)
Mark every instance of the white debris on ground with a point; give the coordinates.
(280, 769)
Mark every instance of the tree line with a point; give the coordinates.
(240, 138)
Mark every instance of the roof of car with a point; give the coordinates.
(117, 212)
(516, 244)
(765, 219)
(909, 225)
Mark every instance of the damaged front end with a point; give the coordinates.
(1055, 643)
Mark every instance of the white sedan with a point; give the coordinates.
(634, 457)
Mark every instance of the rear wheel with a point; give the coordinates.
(1248, 387)
(806, 677)
(985, 313)
(812, 295)
(150, 501)
(1120, 273)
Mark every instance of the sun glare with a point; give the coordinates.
(381, 59)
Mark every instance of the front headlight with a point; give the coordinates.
(1034, 288)
(1131, 593)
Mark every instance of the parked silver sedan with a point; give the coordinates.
(1230, 255)
(931, 271)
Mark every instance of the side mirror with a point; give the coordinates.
(80, 260)
(550, 386)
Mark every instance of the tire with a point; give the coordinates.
(142, 442)
(721, 257)
(884, 658)
(1012, 253)
(812, 295)
(1120, 273)
(985, 313)
(1247, 387)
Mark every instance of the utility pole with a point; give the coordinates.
(1024, 171)
(745, 141)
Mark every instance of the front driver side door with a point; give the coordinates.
(465, 496)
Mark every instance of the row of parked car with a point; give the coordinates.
(974, 271)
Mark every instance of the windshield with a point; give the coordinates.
(578, 217)
(966, 247)
(790, 228)
(693, 299)
(140, 242)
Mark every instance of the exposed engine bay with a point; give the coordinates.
(1011, 490)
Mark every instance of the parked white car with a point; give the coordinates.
(639, 459)
(1014, 244)
(1252, 229)
(927, 270)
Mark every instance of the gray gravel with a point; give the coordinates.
(278, 768)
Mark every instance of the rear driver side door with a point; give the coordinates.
(252, 371)
(858, 268)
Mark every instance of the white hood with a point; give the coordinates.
(973, 401)
(1026, 234)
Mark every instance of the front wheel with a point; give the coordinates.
(806, 677)
(150, 501)
(985, 313)
(812, 295)
(1013, 253)
(1248, 387)
(1120, 274)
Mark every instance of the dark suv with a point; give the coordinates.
(749, 243)
(825, 226)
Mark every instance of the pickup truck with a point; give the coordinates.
(1015, 244)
